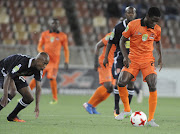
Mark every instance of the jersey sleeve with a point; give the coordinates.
(158, 37)
(41, 43)
(128, 31)
(116, 34)
(38, 75)
(66, 48)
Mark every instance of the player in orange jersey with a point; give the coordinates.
(105, 76)
(142, 33)
(51, 42)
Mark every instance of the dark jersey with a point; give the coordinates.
(19, 65)
(116, 36)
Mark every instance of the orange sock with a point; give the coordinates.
(99, 95)
(32, 84)
(123, 93)
(53, 85)
(152, 104)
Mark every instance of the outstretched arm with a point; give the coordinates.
(38, 94)
(158, 49)
(6, 85)
(109, 45)
(99, 45)
(126, 60)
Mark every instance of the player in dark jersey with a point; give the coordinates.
(130, 13)
(12, 70)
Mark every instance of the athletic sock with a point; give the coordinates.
(123, 93)
(131, 93)
(116, 100)
(32, 84)
(53, 85)
(99, 95)
(9, 99)
(21, 105)
(152, 104)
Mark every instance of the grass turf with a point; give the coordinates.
(69, 117)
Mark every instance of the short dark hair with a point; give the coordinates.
(154, 11)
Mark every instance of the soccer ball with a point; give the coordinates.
(138, 119)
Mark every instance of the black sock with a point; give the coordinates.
(9, 99)
(21, 105)
(116, 100)
(131, 92)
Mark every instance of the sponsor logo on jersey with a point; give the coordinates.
(144, 37)
(16, 68)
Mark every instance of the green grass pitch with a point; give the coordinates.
(69, 117)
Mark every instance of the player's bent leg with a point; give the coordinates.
(151, 81)
(11, 94)
(23, 103)
(124, 78)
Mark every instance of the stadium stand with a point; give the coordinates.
(22, 21)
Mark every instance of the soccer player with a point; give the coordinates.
(130, 14)
(13, 68)
(142, 34)
(105, 76)
(51, 42)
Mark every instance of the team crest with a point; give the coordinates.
(52, 39)
(144, 37)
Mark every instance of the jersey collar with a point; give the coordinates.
(124, 23)
(143, 24)
(30, 62)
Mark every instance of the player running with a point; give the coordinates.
(142, 34)
(51, 42)
(13, 68)
(105, 76)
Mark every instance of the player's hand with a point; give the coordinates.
(4, 101)
(66, 66)
(105, 61)
(36, 111)
(126, 62)
(160, 64)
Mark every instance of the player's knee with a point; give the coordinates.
(152, 88)
(13, 93)
(121, 84)
(110, 89)
(28, 100)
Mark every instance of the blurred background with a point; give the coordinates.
(86, 22)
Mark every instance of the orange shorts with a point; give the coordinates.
(105, 74)
(146, 68)
(51, 72)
